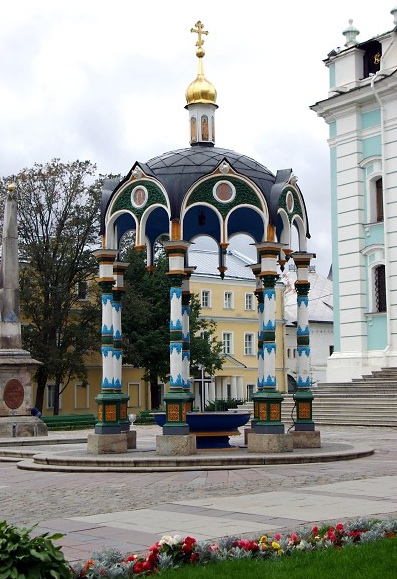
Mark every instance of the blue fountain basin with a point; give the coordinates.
(210, 421)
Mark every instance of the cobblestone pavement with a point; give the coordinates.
(28, 497)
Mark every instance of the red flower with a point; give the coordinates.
(194, 557)
(131, 558)
(138, 567)
(339, 527)
(152, 558)
(315, 530)
(146, 566)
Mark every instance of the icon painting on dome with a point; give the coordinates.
(224, 191)
(139, 196)
(290, 201)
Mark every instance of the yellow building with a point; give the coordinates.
(232, 304)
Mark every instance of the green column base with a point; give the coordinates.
(112, 412)
(304, 409)
(177, 403)
(267, 412)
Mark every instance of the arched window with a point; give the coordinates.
(204, 128)
(193, 130)
(379, 199)
(380, 288)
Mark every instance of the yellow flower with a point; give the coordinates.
(275, 545)
(263, 539)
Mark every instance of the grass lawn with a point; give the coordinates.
(366, 561)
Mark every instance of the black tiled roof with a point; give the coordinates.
(178, 170)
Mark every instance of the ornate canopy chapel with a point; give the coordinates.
(183, 194)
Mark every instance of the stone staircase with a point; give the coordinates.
(367, 401)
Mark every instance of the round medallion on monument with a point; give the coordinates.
(13, 394)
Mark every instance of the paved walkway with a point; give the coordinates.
(130, 511)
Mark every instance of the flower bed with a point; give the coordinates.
(172, 552)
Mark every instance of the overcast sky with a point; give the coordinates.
(106, 81)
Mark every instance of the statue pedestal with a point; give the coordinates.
(19, 426)
(107, 443)
(175, 444)
(16, 390)
(265, 443)
(306, 438)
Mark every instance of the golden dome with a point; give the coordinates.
(200, 90)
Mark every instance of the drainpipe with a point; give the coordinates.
(380, 74)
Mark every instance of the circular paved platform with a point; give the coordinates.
(67, 452)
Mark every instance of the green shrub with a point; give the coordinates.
(23, 557)
(222, 404)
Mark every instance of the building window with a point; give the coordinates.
(227, 342)
(372, 57)
(250, 391)
(205, 299)
(249, 301)
(379, 199)
(228, 300)
(249, 346)
(380, 288)
(331, 350)
(51, 396)
(82, 290)
(81, 396)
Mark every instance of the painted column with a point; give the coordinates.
(178, 400)
(233, 387)
(303, 395)
(240, 384)
(186, 297)
(112, 403)
(211, 391)
(261, 371)
(267, 400)
(224, 388)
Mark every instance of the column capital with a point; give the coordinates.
(104, 255)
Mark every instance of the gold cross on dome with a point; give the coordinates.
(199, 30)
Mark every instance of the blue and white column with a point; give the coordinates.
(112, 403)
(303, 395)
(178, 399)
(267, 400)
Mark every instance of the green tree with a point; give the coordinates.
(58, 215)
(145, 319)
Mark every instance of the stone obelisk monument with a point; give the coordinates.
(16, 364)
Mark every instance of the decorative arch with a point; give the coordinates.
(299, 224)
(201, 219)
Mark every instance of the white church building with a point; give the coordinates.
(361, 112)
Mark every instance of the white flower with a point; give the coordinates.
(302, 546)
(170, 541)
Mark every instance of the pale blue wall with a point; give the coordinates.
(377, 332)
(370, 119)
(372, 146)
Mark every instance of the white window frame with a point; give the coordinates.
(373, 170)
(87, 396)
(251, 335)
(372, 291)
(85, 298)
(229, 350)
(131, 385)
(249, 302)
(228, 300)
(50, 396)
(207, 293)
